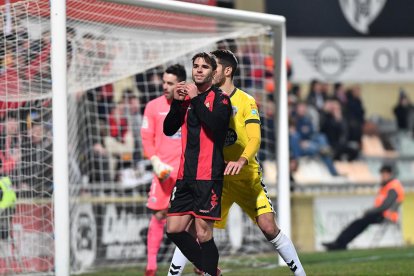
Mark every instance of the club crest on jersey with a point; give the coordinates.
(225, 101)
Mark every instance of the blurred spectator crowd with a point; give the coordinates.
(327, 124)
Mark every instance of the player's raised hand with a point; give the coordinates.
(192, 90)
(180, 91)
(234, 167)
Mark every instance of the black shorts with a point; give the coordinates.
(199, 198)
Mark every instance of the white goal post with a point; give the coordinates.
(61, 198)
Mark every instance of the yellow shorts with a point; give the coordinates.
(251, 195)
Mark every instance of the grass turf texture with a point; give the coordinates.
(383, 261)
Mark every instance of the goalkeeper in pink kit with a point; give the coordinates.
(164, 153)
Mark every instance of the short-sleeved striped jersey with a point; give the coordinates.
(245, 112)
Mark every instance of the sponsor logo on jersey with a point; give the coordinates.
(231, 137)
(255, 112)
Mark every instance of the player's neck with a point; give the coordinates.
(203, 87)
(227, 87)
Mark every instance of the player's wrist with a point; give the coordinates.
(243, 160)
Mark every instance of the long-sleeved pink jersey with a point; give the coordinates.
(154, 141)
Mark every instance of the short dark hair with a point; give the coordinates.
(227, 59)
(207, 57)
(386, 168)
(178, 70)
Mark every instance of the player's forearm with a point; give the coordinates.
(174, 118)
(254, 140)
(148, 146)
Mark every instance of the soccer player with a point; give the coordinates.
(243, 176)
(203, 113)
(164, 153)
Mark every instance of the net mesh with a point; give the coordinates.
(116, 56)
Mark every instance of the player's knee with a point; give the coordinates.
(172, 229)
(268, 227)
(204, 235)
(269, 231)
(160, 215)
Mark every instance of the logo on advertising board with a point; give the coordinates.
(83, 237)
(121, 230)
(361, 13)
(329, 59)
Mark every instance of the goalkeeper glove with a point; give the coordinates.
(161, 170)
(7, 194)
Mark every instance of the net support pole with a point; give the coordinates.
(282, 132)
(60, 136)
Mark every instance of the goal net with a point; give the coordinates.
(116, 55)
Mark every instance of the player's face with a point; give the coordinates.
(202, 71)
(219, 77)
(169, 81)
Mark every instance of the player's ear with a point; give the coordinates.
(228, 70)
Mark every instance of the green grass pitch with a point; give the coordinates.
(383, 261)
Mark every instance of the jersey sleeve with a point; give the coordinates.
(148, 131)
(253, 141)
(251, 112)
(252, 125)
(175, 117)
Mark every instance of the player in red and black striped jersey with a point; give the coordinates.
(203, 113)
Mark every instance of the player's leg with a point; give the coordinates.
(280, 241)
(178, 263)
(209, 251)
(188, 245)
(207, 209)
(255, 202)
(180, 214)
(154, 238)
(178, 260)
(158, 199)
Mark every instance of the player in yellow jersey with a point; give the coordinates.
(243, 175)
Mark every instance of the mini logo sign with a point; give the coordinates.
(329, 59)
(361, 13)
